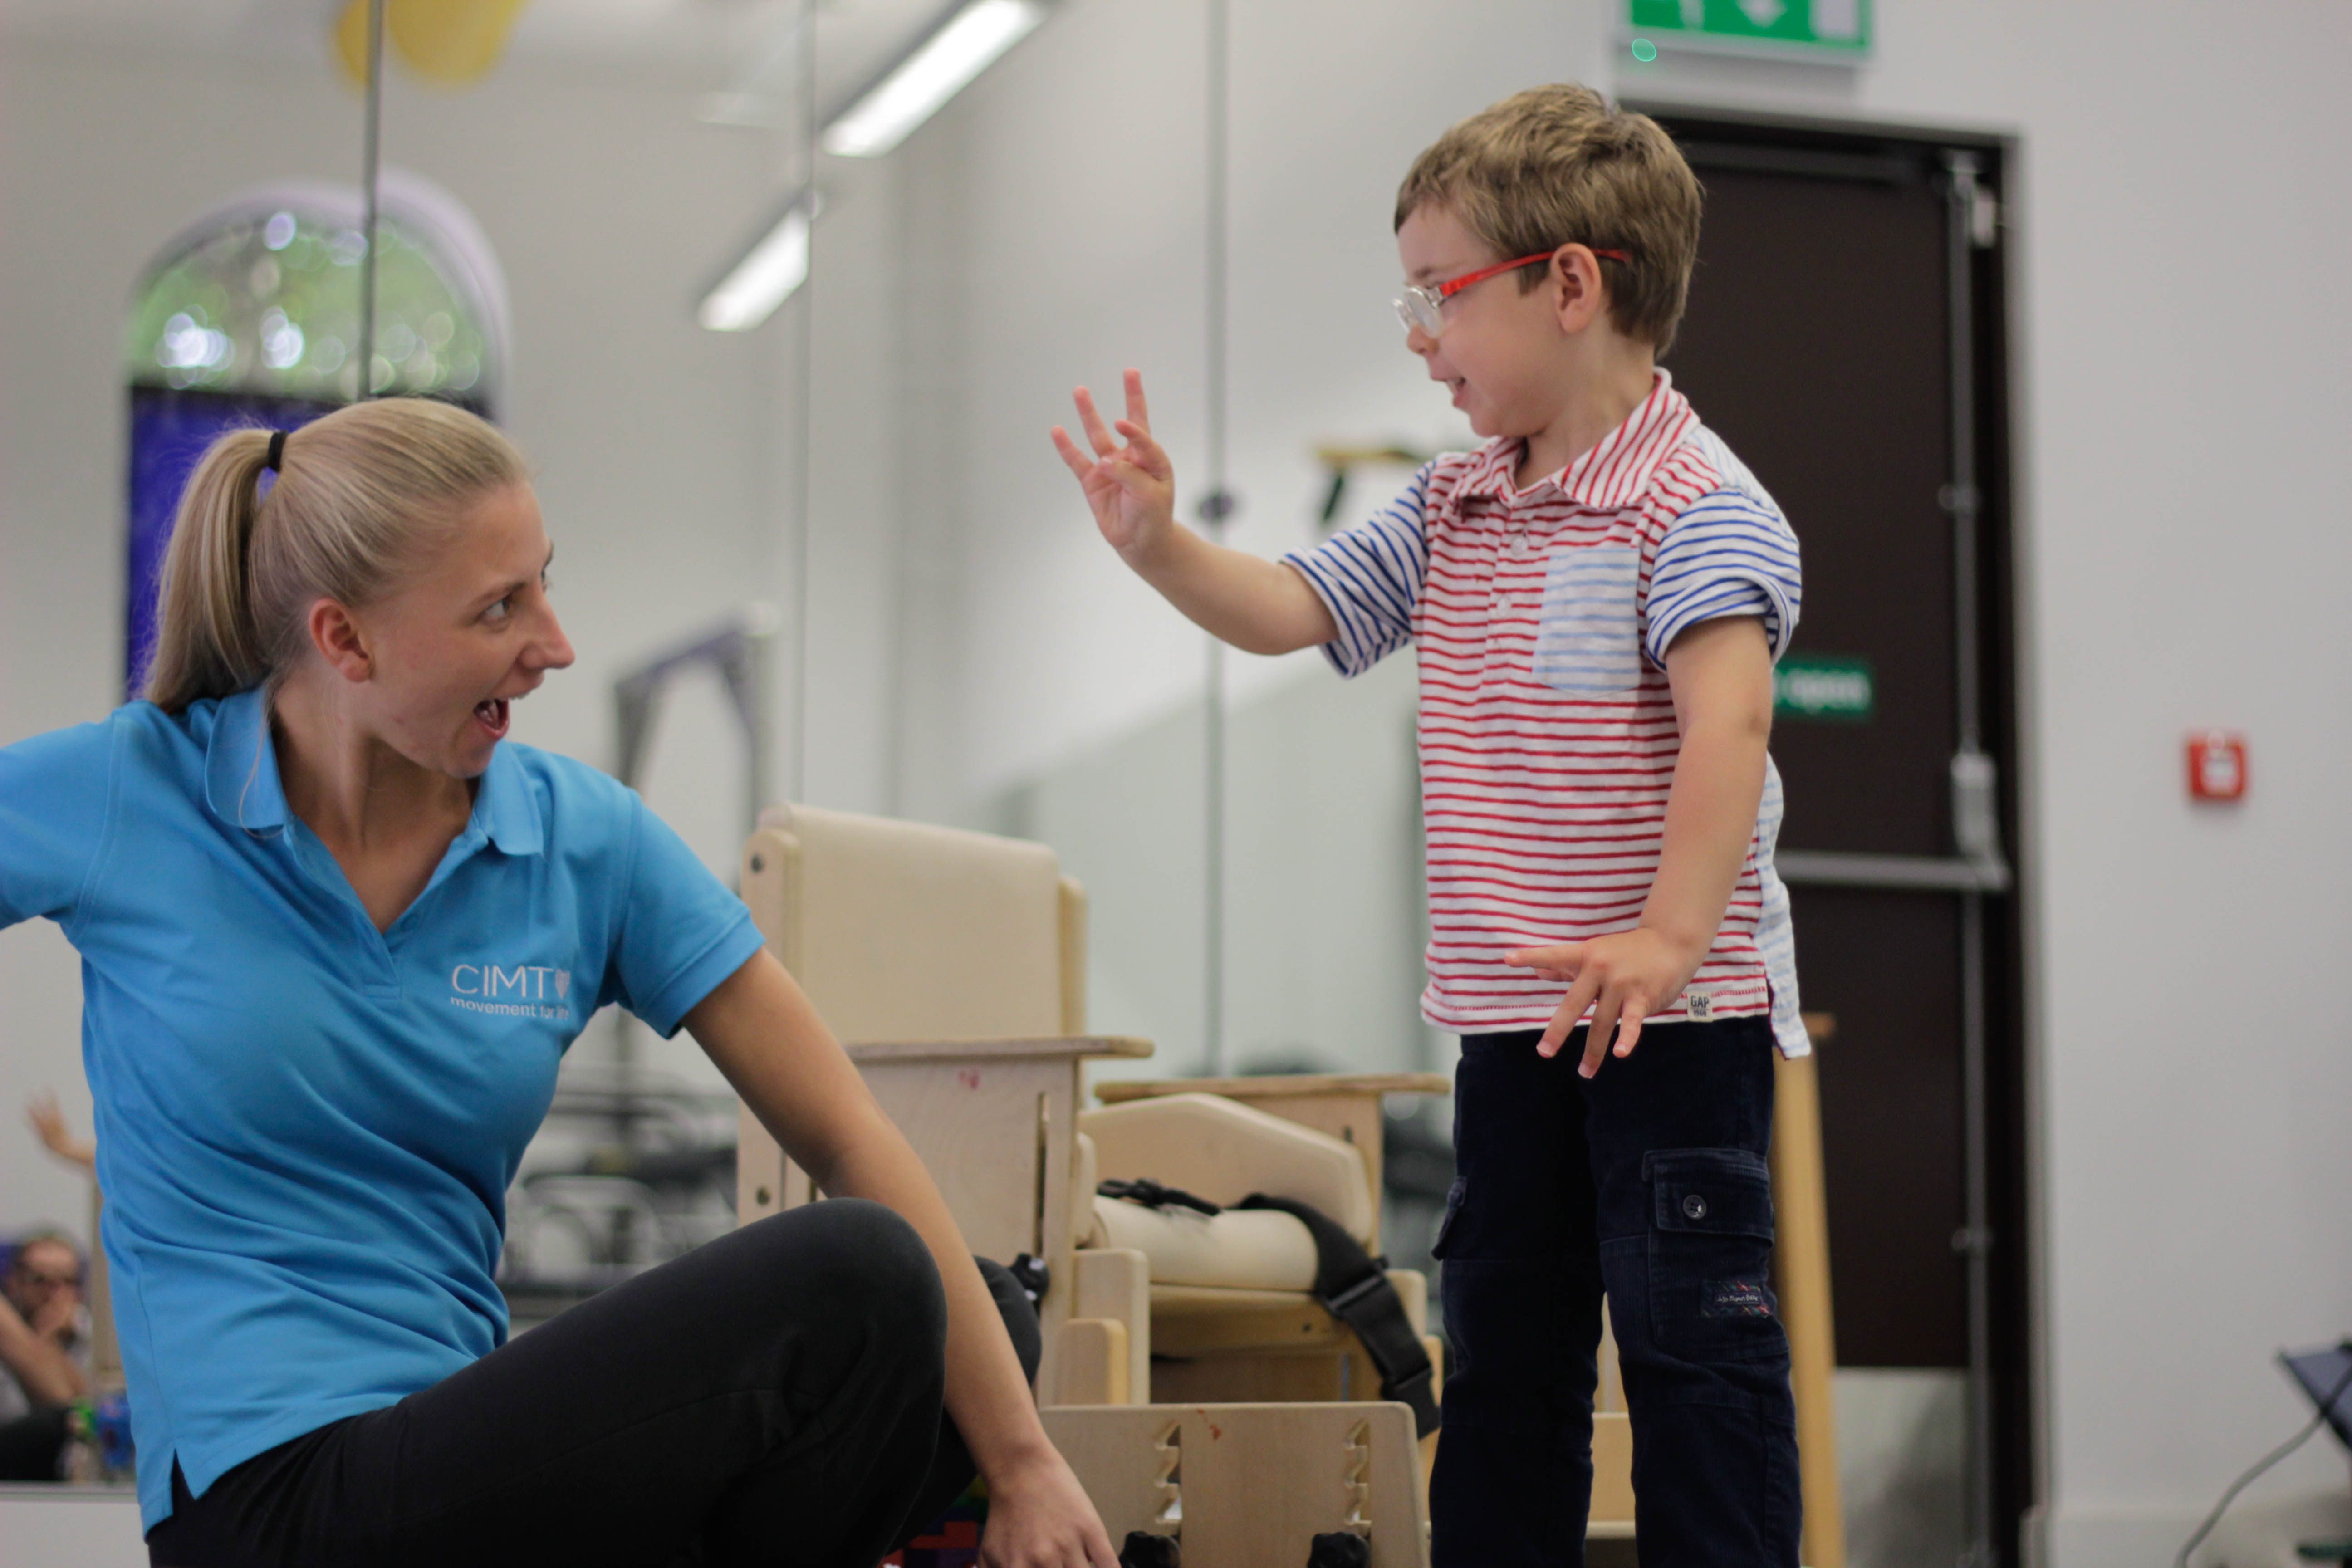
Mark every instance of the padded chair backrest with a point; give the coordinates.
(902, 931)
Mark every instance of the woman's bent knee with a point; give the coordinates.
(1020, 1315)
(867, 1264)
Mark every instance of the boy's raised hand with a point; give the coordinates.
(1131, 488)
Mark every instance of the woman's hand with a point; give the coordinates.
(1132, 489)
(1039, 1517)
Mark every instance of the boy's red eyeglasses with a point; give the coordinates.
(1419, 306)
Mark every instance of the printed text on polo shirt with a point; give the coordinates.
(528, 990)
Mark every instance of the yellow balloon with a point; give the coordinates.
(351, 41)
(452, 42)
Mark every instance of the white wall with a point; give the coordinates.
(2180, 222)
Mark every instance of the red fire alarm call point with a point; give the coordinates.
(2217, 765)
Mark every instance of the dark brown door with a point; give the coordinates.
(1820, 344)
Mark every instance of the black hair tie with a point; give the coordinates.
(276, 451)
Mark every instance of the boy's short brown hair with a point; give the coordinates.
(1559, 165)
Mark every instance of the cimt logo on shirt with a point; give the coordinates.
(526, 991)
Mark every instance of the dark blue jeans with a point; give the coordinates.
(1647, 1182)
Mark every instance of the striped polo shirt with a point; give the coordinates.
(1548, 738)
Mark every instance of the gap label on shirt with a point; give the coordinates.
(1699, 1006)
(525, 991)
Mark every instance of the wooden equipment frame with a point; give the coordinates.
(973, 1099)
(1249, 1486)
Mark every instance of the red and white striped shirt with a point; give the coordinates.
(1548, 736)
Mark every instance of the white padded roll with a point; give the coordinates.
(1240, 1249)
(1223, 1151)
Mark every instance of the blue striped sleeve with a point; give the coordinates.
(1729, 553)
(1370, 578)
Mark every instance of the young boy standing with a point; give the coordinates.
(1597, 597)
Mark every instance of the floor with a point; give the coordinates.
(1902, 1459)
(1901, 1449)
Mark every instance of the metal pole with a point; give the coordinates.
(1974, 823)
(371, 142)
(1216, 505)
(1961, 499)
(804, 393)
(760, 629)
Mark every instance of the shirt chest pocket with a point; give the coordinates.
(1589, 636)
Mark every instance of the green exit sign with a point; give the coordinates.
(1818, 29)
(1832, 688)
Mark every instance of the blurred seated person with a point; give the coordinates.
(43, 1354)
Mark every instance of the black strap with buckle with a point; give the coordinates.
(1354, 1287)
(1153, 1195)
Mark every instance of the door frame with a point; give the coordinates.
(2006, 1510)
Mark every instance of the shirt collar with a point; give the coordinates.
(241, 781)
(506, 809)
(242, 786)
(1613, 475)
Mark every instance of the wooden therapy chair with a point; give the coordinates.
(974, 1044)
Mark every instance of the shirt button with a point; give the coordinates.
(1694, 1206)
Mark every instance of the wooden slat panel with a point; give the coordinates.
(1258, 1482)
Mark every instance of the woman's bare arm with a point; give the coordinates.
(762, 1033)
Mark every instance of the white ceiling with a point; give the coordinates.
(718, 45)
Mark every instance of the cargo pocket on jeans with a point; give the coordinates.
(1589, 636)
(1445, 1225)
(1711, 1254)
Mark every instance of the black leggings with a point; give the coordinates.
(771, 1397)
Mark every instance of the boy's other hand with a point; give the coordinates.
(1623, 978)
(1131, 488)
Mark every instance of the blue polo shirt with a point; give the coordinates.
(307, 1128)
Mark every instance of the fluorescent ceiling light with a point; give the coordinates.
(766, 276)
(942, 66)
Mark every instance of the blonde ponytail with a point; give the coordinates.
(362, 499)
(208, 644)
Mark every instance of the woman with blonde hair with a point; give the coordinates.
(336, 933)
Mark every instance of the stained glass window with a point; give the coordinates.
(251, 318)
(269, 302)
